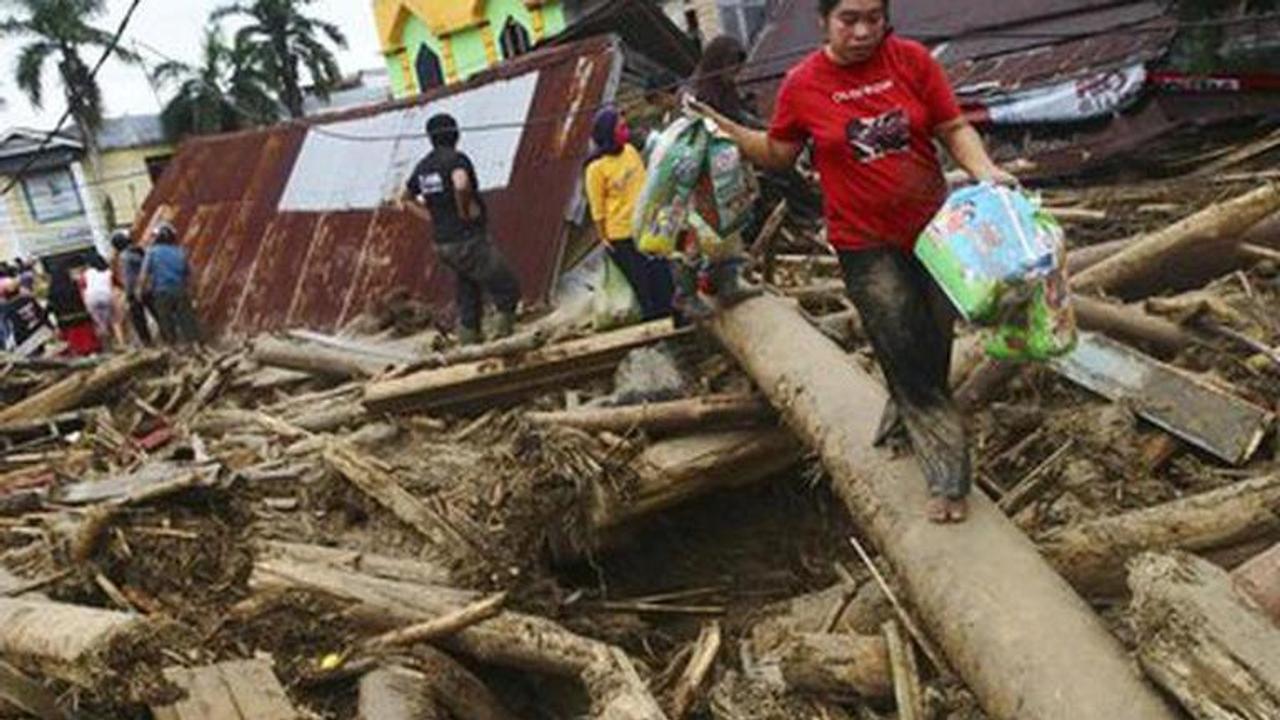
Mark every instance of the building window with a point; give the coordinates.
(52, 195)
(744, 19)
(430, 72)
(515, 39)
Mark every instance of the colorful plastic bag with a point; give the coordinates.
(988, 247)
(699, 193)
(1040, 329)
(614, 303)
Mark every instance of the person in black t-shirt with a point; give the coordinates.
(22, 315)
(444, 190)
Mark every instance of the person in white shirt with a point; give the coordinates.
(98, 289)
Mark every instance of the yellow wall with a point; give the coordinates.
(124, 179)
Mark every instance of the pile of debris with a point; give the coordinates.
(631, 524)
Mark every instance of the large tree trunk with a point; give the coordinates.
(1092, 555)
(1222, 223)
(1026, 644)
(1203, 641)
(74, 391)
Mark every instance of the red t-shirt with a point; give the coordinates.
(872, 128)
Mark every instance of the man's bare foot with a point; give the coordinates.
(957, 510)
(938, 510)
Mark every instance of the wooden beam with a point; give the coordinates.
(707, 412)
(1217, 422)
(233, 690)
(78, 389)
(497, 380)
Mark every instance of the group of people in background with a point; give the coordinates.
(82, 299)
(616, 174)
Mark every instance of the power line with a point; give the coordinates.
(75, 98)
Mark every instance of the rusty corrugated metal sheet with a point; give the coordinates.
(258, 267)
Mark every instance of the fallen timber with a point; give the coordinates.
(997, 609)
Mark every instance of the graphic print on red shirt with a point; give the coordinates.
(872, 128)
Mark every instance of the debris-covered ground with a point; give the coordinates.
(392, 529)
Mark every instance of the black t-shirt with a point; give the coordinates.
(432, 182)
(24, 316)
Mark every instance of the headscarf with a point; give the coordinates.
(609, 133)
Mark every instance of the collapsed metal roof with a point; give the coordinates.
(989, 48)
(289, 225)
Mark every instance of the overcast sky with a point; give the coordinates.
(174, 27)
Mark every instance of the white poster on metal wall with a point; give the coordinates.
(1083, 98)
(361, 164)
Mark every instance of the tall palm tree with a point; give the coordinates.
(59, 30)
(226, 91)
(284, 41)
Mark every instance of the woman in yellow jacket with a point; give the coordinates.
(615, 179)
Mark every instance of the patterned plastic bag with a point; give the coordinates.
(989, 246)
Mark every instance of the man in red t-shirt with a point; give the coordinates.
(870, 105)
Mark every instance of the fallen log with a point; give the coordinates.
(674, 416)
(674, 471)
(984, 613)
(233, 690)
(839, 665)
(1092, 555)
(1203, 641)
(77, 390)
(455, 688)
(513, 345)
(356, 561)
(67, 642)
(317, 359)
(509, 639)
(394, 692)
(1131, 324)
(1259, 578)
(497, 380)
(1222, 224)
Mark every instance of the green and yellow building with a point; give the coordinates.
(429, 43)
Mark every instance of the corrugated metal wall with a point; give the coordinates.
(259, 268)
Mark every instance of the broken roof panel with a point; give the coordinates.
(988, 47)
(291, 225)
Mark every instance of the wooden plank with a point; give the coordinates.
(76, 390)
(494, 380)
(151, 480)
(1217, 422)
(234, 690)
